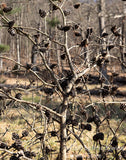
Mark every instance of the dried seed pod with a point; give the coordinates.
(74, 122)
(110, 47)
(114, 28)
(93, 60)
(114, 74)
(66, 12)
(54, 7)
(53, 133)
(89, 32)
(114, 31)
(105, 90)
(69, 121)
(49, 91)
(11, 23)
(77, 34)
(123, 154)
(2, 98)
(97, 120)
(17, 145)
(12, 31)
(15, 136)
(76, 26)
(28, 66)
(64, 83)
(117, 34)
(43, 49)
(82, 126)
(77, 5)
(114, 142)
(47, 45)
(79, 157)
(7, 9)
(25, 133)
(98, 136)
(48, 151)
(123, 107)
(106, 60)
(14, 157)
(68, 138)
(104, 35)
(99, 61)
(18, 96)
(79, 89)
(84, 43)
(36, 36)
(3, 145)
(86, 127)
(66, 28)
(42, 13)
(83, 113)
(63, 56)
(90, 119)
(113, 90)
(78, 81)
(104, 53)
(52, 66)
(47, 113)
(39, 136)
(29, 154)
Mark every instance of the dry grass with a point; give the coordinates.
(15, 123)
(12, 120)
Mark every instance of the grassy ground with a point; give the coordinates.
(13, 121)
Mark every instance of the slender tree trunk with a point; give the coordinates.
(18, 50)
(1, 61)
(122, 48)
(18, 42)
(63, 132)
(59, 61)
(101, 8)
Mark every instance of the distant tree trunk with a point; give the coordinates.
(123, 40)
(18, 42)
(33, 58)
(101, 8)
(35, 48)
(1, 61)
(59, 61)
(87, 48)
(18, 50)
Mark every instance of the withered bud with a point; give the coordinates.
(42, 13)
(15, 136)
(77, 5)
(98, 136)
(25, 133)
